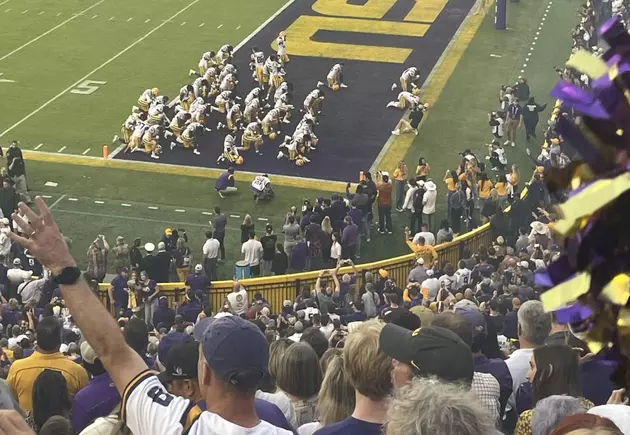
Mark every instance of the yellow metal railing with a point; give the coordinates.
(277, 289)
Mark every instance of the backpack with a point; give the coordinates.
(457, 200)
(418, 195)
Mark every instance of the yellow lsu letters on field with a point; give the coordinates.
(344, 17)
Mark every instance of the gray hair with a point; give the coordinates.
(551, 410)
(534, 324)
(428, 406)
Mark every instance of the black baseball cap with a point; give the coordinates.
(430, 351)
(182, 362)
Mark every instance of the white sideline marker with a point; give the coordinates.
(51, 184)
(8, 10)
(238, 27)
(179, 210)
(220, 25)
(61, 149)
(99, 202)
(152, 207)
(147, 20)
(130, 18)
(5, 1)
(73, 199)
(522, 71)
(207, 213)
(38, 146)
(46, 196)
(202, 24)
(98, 68)
(495, 55)
(23, 12)
(524, 65)
(527, 59)
(183, 24)
(125, 205)
(86, 151)
(48, 31)
(94, 16)
(42, 13)
(234, 216)
(263, 219)
(58, 15)
(112, 19)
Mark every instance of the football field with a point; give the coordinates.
(72, 70)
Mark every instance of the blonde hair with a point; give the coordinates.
(181, 243)
(326, 226)
(276, 352)
(247, 220)
(427, 406)
(336, 396)
(328, 356)
(367, 367)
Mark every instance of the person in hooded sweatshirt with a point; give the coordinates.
(164, 315)
(530, 117)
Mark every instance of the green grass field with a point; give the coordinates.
(49, 48)
(128, 45)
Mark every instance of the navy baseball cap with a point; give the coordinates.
(182, 362)
(475, 318)
(167, 342)
(235, 349)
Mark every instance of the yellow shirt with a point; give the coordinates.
(23, 373)
(501, 188)
(484, 189)
(423, 171)
(426, 252)
(514, 179)
(400, 175)
(450, 184)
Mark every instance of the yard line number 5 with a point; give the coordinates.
(87, 87)
(366, 18)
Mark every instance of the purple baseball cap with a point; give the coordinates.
(235, 349)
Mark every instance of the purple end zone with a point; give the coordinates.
(356, 124)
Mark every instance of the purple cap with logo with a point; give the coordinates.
(234, 348)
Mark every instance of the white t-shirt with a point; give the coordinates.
(429, 238)
(463, 277)
(335, 251)
(253, 251)
(296, 337)
(238, 301)
(17, 276)
(309, 428)
(150, 410)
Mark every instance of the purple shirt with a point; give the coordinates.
(298, 256)
(197, 282)
(349, 235)
(351, 426)
(97, 399)
(515, 111)
(356, 214)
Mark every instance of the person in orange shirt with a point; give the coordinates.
(423, 169)
(384, 201)
(400, 178)
(421, 249)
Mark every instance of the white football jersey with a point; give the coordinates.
(148, 409)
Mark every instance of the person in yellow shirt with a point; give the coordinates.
(484, 186)
(24, 372)
(513, 178)
(421, 249)
(423, 169)
(450, 179)
(400, 178)
(502, 190)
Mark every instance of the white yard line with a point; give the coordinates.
(51, 206)
(59, 14)
(94, 16)
(183, 24)
(116, 151)
(152, 207)
(147, 20)
(23, 12)
(179, 210)
(125, 205)
(42, 13)
(202, 24)
(133, 218)
(98, 68)
(99, 202)
(61, 149)
(38, 146)
(73, 199)
(238, 27)
(86, 151)
(111, 18)
(130, 18)
(63, 23)
(5, 1)
(220, 25)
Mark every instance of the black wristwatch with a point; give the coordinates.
(68, 276)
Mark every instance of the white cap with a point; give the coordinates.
(430, 272)
(161, 246)
(524, 264)
(149, 247)
(420, 260)
(198, 268)
(385, 174)
(63, 348)
(87, 353)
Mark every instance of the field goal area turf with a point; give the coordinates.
(71, 71)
